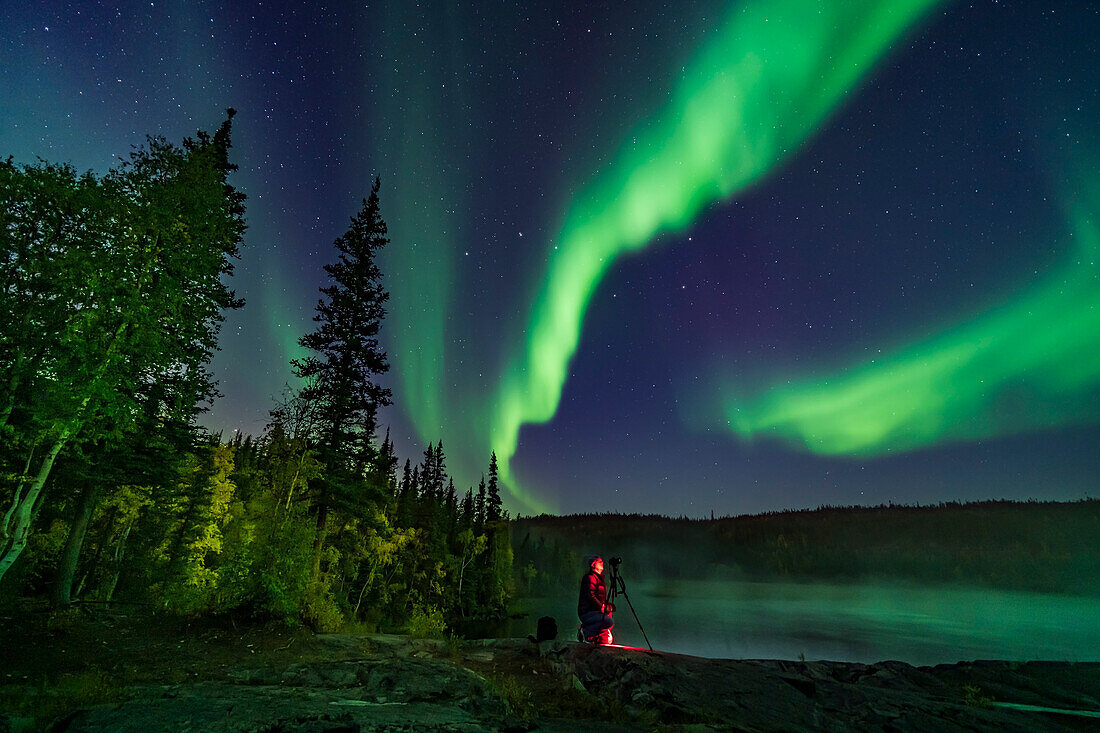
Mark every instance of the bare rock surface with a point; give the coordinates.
(663, 688)
(391, 683)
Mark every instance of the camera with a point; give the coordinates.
(614, 561)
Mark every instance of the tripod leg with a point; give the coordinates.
(619, 586)
(635, 613)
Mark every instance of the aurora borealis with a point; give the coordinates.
(1029, 365)
(730, 256)
(752, 95)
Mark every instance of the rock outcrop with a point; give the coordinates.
(658, 688)
(392, 683)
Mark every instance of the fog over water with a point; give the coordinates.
(844, 622)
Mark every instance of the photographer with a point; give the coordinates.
(592, 606)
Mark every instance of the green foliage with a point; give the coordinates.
(321, 611)
(456, 644)
(197, 512)
(113, 298)
(426, 622)
(115, 288)
(204, 543)
(346, 358)
(52, 698)
(529, 574)
(232, 530)
(278, 560)
(973, 696)
(517, 697)
(43, 550)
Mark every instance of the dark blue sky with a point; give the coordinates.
(939, 193)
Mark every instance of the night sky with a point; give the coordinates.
(660, 257)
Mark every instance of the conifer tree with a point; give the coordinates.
(440, 476)
(466, 511)
(414, 483)
(451, 509)
(493, 504)
(428, 474)
(341, 373)
(409, 501)
(406, 474)
(386, 467)
(479, 506)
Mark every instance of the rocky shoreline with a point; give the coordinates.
(393, 683)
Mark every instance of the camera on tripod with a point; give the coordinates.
(617, 586)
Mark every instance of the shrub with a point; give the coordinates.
(426, 622)
(321, 611)
(516, 696)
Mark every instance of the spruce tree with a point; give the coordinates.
(466, 510)
(386, 467)
(406, 495)
(451, 510)
(429, 474)
(406, 474)
(409, 508)
(493, 505)
(341, 373)
(479, 506)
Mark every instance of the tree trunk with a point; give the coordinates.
(93, 562)
(23, 515)
(5, 527)
(116, 570)
(66, 568)
(461, 573)
(24, 506)
(13, 384)
(293, 481)
(370, 579)
(319, 542)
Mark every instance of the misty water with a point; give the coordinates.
(844, 622)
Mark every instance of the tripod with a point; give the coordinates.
(617, 586)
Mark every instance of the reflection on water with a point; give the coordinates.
(858, 623)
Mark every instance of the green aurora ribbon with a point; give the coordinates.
(767, 80)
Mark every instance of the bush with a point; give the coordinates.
(516, 696)
(321, 612)
(426, 622)
(455, 645)
(57, 696)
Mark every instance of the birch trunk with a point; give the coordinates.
(370, 580)
(16, 530)
(23, 515)
(120, 551)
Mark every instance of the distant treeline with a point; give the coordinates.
(1041, 546)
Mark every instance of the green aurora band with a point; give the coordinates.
(769, 78)
(1032, 364)
(422, 169)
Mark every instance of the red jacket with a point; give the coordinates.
(593, 595)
